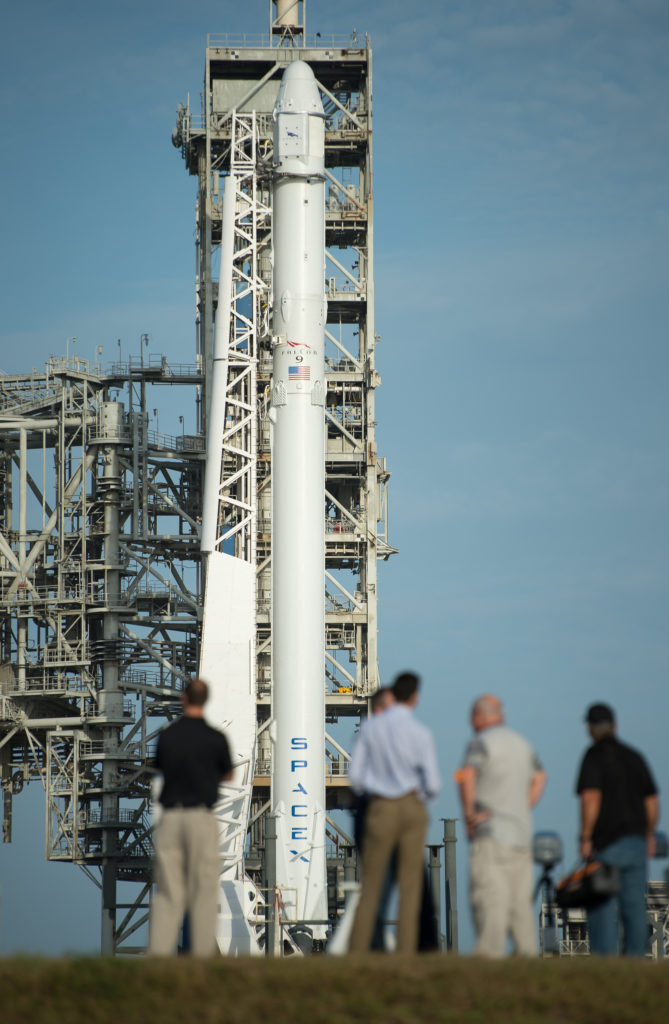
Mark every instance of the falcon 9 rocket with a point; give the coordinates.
(297, 415)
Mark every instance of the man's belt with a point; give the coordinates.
(403, 796)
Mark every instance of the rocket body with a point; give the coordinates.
(298, 484)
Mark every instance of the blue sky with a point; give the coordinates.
(522, 218)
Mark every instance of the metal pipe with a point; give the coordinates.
(216, 422)
(272, 927)
(435, 885)
(22, 621)
(111, 698)
(451, 885)
(350, 864)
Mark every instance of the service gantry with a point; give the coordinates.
(99, 590)
(100, 567)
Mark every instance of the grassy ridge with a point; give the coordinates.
(392, 990)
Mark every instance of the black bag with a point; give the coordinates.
(589, 884)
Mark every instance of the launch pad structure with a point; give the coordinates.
(102, 577)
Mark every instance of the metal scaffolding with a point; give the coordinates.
(232, 136)
(100, 566)
(565, 932)
(99, 584)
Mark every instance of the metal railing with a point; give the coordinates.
(122, 816)
(44, 684)
(160, 363)
(92, 709)
(261, 41)
(101, 748)
(341, 525)
(574, 947)
(90, 593)
(151, 680)
(75, 653)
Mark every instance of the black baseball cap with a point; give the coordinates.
(600, 714)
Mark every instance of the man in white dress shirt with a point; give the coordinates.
(394, 764)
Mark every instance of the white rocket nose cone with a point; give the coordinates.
(298, 92)
(298, 70)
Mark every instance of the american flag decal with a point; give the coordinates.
(299, 373)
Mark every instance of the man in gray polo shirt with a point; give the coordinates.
(500, 781)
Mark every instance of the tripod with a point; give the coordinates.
(548, 925)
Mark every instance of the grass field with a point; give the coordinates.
(321, 990)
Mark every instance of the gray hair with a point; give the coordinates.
(488, 706)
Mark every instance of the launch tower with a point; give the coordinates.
(100, 604)
(228, 146)
(102, 545)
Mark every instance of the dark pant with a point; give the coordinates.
(391, 824)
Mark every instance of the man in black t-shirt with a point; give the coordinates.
(193, 759)
(619, 812)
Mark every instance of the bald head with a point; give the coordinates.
(487, 711)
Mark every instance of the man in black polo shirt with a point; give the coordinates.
(193, 758)
(619, 812)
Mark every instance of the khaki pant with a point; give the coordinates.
(400, 823)
(500, 886)
(186, 874)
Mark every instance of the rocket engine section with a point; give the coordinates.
(298, 484)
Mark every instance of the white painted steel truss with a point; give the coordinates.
(99, 565)
(233, 139)
(100, 610)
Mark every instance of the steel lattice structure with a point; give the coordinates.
(99, 589)
(100, 567)
(241, 83)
